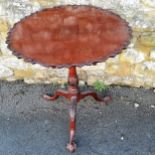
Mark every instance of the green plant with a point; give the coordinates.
(100, 86)
(65, 85)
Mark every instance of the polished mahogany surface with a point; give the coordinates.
(69, 35)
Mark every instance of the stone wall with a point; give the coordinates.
(134, 66)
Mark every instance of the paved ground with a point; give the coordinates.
(30, 125)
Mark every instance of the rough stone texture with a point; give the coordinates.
(152, 54)
(134, 66)
(5, 72)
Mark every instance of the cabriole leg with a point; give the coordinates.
(71, 146)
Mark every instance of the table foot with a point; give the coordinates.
(56, 95)
(103, 100)
(71, 147)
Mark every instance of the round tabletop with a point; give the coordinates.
(70, 35)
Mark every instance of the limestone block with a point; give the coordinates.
(5, 72)
(45, 76)
(148, 40)
(20, 74)
(112, 69)
(132, 55)
(152, 54)
(138, 82)
(144, 75)
(13, 62)
(83, 75)
(95, 67)
(92, 79)
(62, 73)
(14, 10)
(122, 69)
(4, 27)
(142, 48)
(112, 79)
(149, 3)
(139, 70)
(46, 3)
(45, 80)
(38, 77)
(148, 82)
(11, 78)
(112, 60)
(4, 50)
(150, 65)
(140, 23)
(37, 67)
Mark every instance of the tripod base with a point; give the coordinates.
(74, 95)
(79, 96)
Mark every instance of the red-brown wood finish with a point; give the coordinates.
(74, 95)
(70, 36)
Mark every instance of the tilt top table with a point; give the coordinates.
(70, 36)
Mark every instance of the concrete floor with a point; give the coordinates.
(30, 125)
